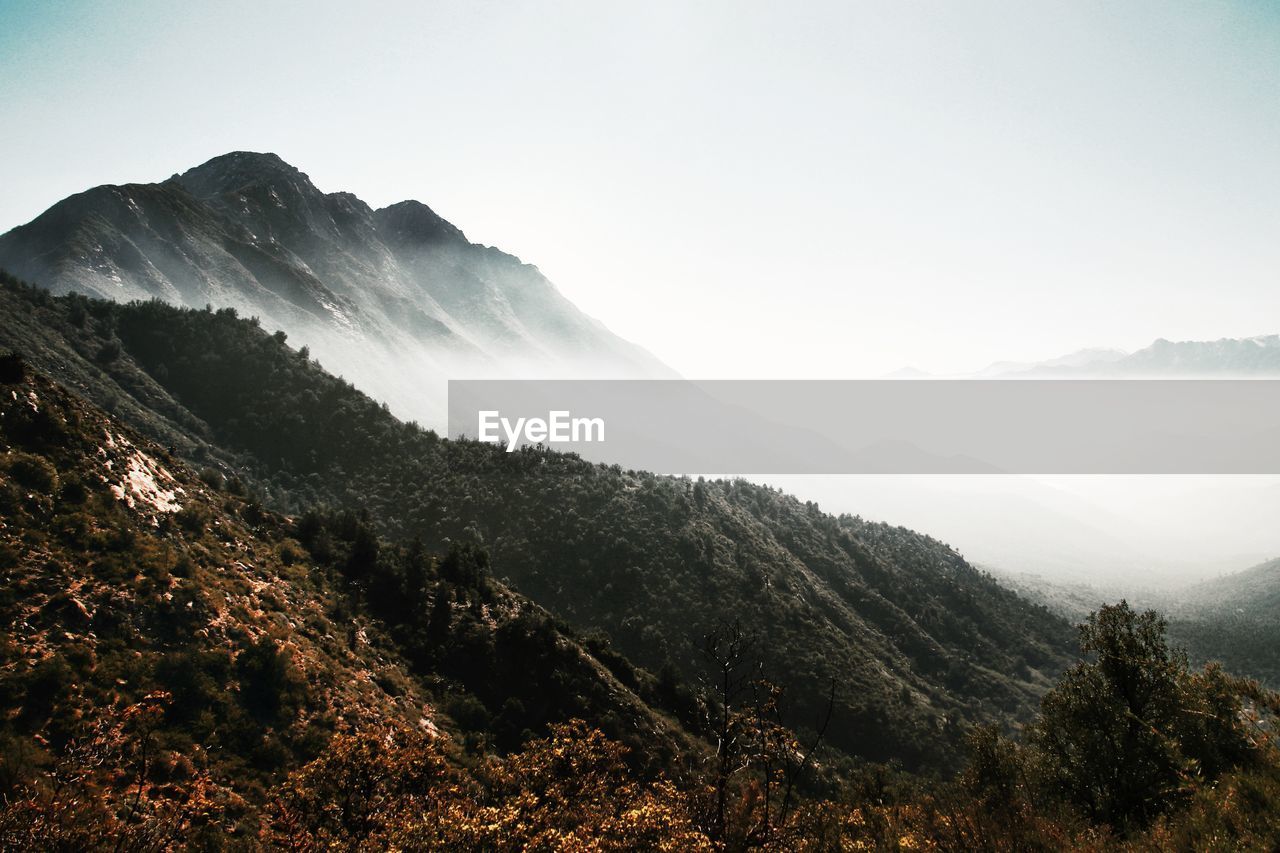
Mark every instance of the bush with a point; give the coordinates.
(109, 352)
(270, 685)
(192, 519)
(73, 491)
(34, 472)
(212, 478)
(13, 369)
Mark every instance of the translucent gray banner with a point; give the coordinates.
(1135, 426)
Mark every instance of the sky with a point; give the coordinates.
(749, 190)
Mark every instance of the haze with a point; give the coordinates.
(759, 190)
(749, 190)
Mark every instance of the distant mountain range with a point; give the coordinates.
(1225, 357)
(1091, 358)
(397, 299)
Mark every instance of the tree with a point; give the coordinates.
(416, 569)
(364, 553)
(759, 760)
(385, 788)
(1131, 732)
(441, 615)
(270, 684)
(101, 793)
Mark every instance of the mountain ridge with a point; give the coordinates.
(920, 642)
(1221, 357)
(397, 298)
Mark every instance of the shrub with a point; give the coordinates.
(13, 369)
(34, 472)
(109, 352)
(192, 519)
(270, 685)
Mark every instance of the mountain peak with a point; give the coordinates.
(237, 169)
(413, 222)
(247, 230)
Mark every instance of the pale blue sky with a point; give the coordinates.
(749, 190)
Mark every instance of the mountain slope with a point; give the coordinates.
(1252, 592)
(1234, 619)
(917, 640)
(133, 587)
(398, 299)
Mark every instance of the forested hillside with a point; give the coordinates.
(182, 666)
(194, 647)
(1234, 619)
(918, 643)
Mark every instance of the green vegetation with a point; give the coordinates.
(183, 666)
(246, 641)
(1236, 620)
(1130, 736)
(921, 644)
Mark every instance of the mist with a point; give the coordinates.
(1119, 533)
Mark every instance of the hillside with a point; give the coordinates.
(1234, 619)
(397, 299)
(181, 668)
(1254, 592)
(170, 622)
(919, 643)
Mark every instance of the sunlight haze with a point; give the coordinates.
(748, 190)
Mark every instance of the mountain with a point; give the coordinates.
(1085, 358)
(1224, 357)
(181, 666)
(1252, 592)
(1231, 356)
(397, 299)
(1234, 619)
(159, 618)
(1124, 535)
(917, 641)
